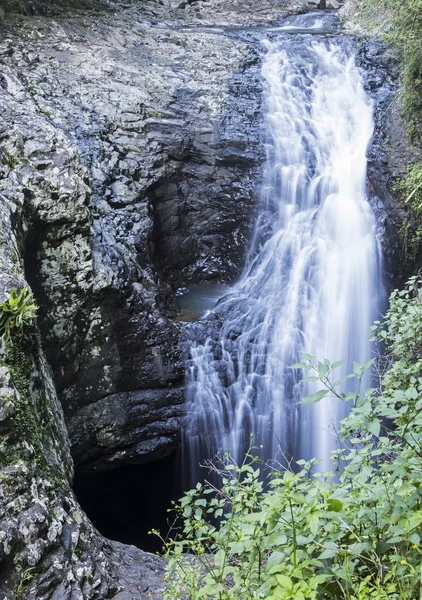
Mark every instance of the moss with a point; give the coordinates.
(24, 435)
(411, 238)
(8, 158)
(411, 187)
(409, 191)
(399, 23)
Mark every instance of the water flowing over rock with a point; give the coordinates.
(313, 280)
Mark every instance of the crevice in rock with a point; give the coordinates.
(125, 503)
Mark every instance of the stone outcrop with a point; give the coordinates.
(391, 149)
(48, 547)
(139, 153)
(160, 114)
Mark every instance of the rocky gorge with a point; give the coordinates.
(130, 163)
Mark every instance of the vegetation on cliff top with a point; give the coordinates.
(405, 34)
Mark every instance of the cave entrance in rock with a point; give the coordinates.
(127, 502)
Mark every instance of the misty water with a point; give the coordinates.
(312, 279)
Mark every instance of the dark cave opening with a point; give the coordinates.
(127, 502)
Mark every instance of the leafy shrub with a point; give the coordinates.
(402, 25)
(411, 187)
(406, 36)
(308, 535)
(16, 313)
(401, 333)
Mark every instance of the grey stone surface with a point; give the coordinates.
(48, 547)
(139, 149)
(139, 132)
(391, 149)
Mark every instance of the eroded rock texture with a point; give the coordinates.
(391, 150)
(48, 548)
(139, 151)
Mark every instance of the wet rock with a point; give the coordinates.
(139, 166)
(129, 166)
(48, 547)
(128, 427)
(111, 158)
(390, 152)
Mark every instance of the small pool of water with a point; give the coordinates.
(195, 301)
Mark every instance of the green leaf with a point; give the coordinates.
(323, 369)
(329, 552)
(219, 558)
(288, 476)
(279, 538)
(358, 548)
(314, 397)
(358, 369)
(414, 521)
(335, 505)
(284, 581)
(314, 523)
(374, 427)
(212, 589)
(276, 561)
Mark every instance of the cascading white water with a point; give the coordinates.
(313, 276)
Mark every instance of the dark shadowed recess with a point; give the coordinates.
(126, 503)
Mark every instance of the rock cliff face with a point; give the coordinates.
(130, 160)
(391, 149)
(138, 150)
(160, 118)
(48, 548)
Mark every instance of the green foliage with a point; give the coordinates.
(406, 34)
(409, 190)
(400, 22)
(412, 186)
(16, 313)
(307, 535)
(401, 332)
(25, 576)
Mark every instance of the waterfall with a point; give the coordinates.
(312, 279)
